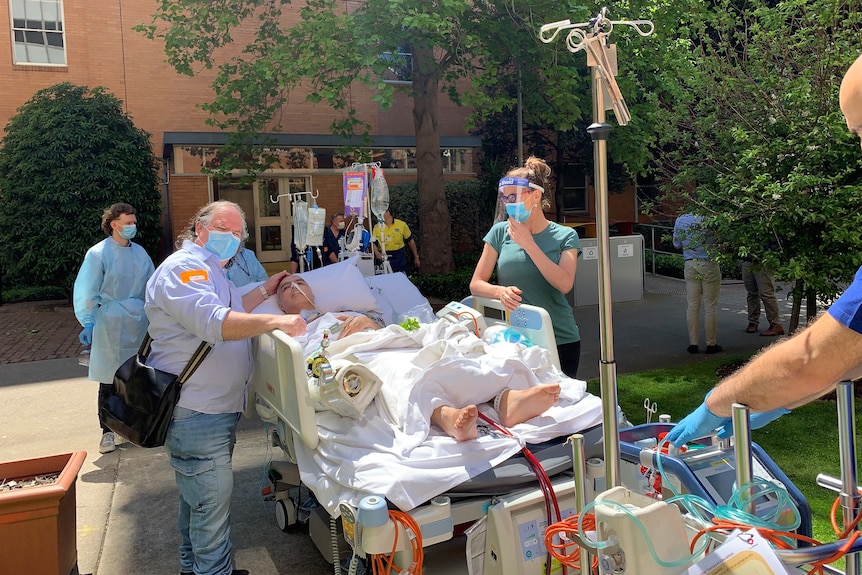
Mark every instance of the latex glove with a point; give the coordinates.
(698, 423)
(86, 335)
(756, 421)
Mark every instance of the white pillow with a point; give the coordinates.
(339, 287)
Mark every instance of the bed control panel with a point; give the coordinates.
(525, 318)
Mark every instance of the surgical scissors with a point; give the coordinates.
(651, 408)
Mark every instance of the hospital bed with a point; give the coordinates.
(499, 501)
(280, 391)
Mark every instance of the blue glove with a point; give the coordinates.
(756, 421)
(86, 335)
(698, 423)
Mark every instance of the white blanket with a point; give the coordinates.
(393, 450)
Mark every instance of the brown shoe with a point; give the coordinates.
(752, 328)
(774, 329)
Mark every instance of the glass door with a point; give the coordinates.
(274, 221)
(271, 224)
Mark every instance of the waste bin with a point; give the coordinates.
(627, 271)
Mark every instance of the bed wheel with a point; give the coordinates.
(285, 513)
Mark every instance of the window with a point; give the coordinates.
(574, 189)
(37, 31)
(400, 66)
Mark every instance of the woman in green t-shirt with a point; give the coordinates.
(536, 258)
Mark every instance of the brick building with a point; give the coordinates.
(91, 43)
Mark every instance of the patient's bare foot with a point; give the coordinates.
(459, 423)
(519, 405)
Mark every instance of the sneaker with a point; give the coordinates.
(752, 328)
(108, 443)
(772, 330)
(693, 349)
(713, 348)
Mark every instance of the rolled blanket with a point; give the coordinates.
(345, 388)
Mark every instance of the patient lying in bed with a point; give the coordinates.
(393, 449)
(295, 296)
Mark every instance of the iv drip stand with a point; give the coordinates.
(601, 58)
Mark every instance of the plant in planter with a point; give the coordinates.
(38, 523)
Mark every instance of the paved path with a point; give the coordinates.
(126, 500)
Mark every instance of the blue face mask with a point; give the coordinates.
(518, 211)
(222, 244)
(128, 232)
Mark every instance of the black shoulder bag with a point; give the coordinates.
(142, 400)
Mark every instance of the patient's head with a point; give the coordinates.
(294, 295)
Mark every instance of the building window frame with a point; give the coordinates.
(38, 39)
(576, 186)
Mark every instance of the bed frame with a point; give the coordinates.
(279, 392)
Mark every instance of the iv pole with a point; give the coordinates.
(601, 58)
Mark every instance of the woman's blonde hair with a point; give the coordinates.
(536, 171)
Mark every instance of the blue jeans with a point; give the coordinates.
(200, 447)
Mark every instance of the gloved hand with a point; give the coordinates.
(86, 335)
(696, 424)
(756, 421)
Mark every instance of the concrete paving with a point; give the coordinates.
(127, 500)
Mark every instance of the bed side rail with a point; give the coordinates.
(279, 378)
(533, 322)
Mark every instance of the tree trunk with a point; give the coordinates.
(810, 306)
(434, 220)
(797, 291)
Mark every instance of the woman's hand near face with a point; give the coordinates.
(521, 234)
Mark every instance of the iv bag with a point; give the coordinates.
(379, 194)
(316, 224)
(300, 224)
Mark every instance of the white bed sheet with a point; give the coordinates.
(393, 451)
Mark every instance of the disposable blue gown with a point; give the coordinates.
(109, 293)
(245, 268)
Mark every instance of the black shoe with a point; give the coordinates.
(234, 572)
(713, 348)
(693, 349)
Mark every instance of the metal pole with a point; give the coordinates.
(742, 449)
(849, 495)
(579, 460)
(520, 121)
(600, 131)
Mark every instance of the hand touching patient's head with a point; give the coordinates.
(294, 295)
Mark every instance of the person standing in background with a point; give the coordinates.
(244, 268)
(331, 237)
(702, 281)
(760, 288)
(395, 237)
(108, 298)
(536, 259)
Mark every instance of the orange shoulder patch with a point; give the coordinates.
(194, 276)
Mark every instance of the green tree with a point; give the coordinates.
(755, 141)
(67, 154)
(337, 44)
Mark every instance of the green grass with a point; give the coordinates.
(803, 443)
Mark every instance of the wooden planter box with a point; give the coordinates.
(38, 533)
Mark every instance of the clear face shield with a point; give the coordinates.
(512, 194)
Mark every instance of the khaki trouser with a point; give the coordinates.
(758, 284)
(702, 279)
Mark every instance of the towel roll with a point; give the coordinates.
(347, 392)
